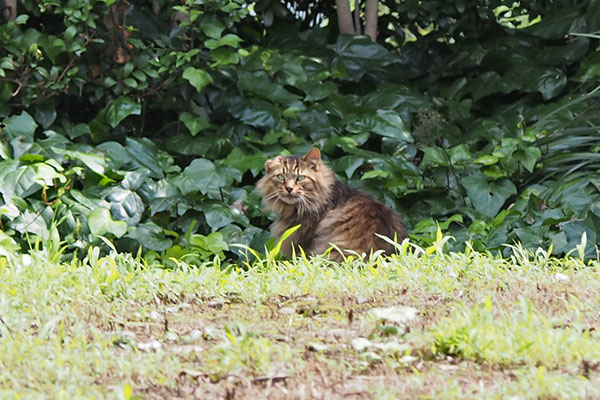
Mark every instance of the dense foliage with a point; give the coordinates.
(148, 123)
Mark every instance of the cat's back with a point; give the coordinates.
(353, 221)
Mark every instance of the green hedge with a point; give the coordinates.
(148, 124)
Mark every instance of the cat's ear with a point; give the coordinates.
(272, 164)
(313, 157)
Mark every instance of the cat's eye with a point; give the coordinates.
(281, 177)
(300, 178)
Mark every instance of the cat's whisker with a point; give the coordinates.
(312, 204)
(307, 206)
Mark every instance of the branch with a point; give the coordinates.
(344, 17)
(371, 25)
(10, 10)
(357, 27)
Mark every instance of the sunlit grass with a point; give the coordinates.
(97, 326)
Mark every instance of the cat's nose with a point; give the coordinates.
(289, 189)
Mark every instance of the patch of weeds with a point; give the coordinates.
(540, 383)
(243, 351)
(495, 334)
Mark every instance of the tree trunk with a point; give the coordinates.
(10, 10)
(357, 27)
(344, 17)
(371, 25)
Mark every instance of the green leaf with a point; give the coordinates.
(193, 123)
(375, 174)
(188, 145)
(120, 109)
(52, 46)
(256, 113)
(460, 154)
(224, 56)
(435, 156)
(357, 55)
(100, 223)
(201, 175)
(590, 67)
(126, 205)
(558, 25)
(243, 161)
(488, 197)
(212, 27)
(143, 153)
(260, 84)
(551, 83)
(93, 161)
(31, 222)
(198, 78)
(218, 216)
(348, 164)
(486, 159)
(528, 157)
(150, 236)
(8, 246)
(20, 125)
(384, 122)
(17, 181)
(228, 40)
(213, 243)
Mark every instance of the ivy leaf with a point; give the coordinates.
(20, 125)
(33, 223)
(348, 164)
(218, 215)
(488, 197)
(228, 40)
(198, 78)
(258, 113)
(93, 161)
(357, 55)
(100, 223)
(434, 156)
(193, 123)
(201, 175)
(17, 182)
(150, 236)
(120, 109)
(528, 157)
(144, 153)
(243, 162)
(550, 83)
(126, 206)
(388, 123)
(213, 243)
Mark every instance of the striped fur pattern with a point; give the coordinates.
(303, 190)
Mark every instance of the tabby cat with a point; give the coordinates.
(303, 190)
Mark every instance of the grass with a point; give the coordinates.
(484, 327)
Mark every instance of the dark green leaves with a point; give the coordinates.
(120, 109)
(198, 78)
(20, 125)
(204, 176)
(357, 55)
(488, 197)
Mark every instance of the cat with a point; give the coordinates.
(303, 190)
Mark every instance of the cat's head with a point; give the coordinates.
(303, 181)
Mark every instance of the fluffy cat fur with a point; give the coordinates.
(303, 190)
